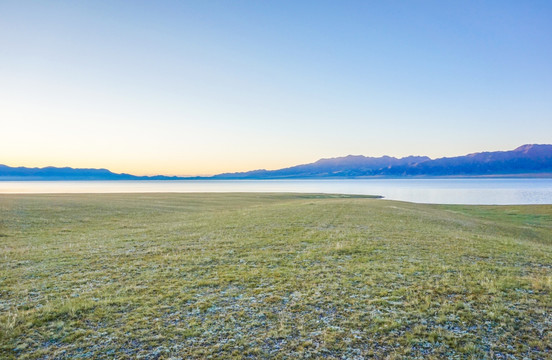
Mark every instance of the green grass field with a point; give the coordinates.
(272, 276)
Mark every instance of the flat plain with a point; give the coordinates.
(272, 276)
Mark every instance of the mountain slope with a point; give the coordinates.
(526, 159)
(348, 166)
(67, 173)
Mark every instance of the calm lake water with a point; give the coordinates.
(440, 191)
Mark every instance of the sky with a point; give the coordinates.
(205, 87)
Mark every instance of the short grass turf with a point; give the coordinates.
(272, 276)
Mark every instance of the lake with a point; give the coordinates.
(439, 191)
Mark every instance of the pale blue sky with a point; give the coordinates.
(202, 87)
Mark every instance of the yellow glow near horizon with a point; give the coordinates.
(201, 88)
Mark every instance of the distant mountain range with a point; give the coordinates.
(526, 159)
(347, 166)
(67, 173)
(530, 160)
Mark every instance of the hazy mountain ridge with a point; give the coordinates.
(347, 166)
(68, 173)
(526, 159)
(530, 159)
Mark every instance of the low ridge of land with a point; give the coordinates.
(526, 160)
(531, 159)
(272, 276)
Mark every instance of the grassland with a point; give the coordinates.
(272, 276)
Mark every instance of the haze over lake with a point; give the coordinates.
(440, 191)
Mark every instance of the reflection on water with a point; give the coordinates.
(442, 191)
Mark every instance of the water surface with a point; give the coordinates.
(441, 191)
